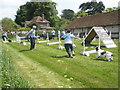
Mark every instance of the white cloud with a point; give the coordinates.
(74, 4)
(8, 8)
(12, 3)
(8, 12)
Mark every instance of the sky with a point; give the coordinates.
(8, 8)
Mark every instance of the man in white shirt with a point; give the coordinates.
(68, 43)
(31, 34)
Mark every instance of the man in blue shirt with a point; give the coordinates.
(31, 34)
(68, 43)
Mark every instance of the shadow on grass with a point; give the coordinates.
(94, 45)
(24, 50)
(100, 59)
(60, 56)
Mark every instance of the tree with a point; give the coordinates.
(68, 14)
(111, 9)
(9, 25)
(21, 15)
(31, 9)
(81, 14)
(62, 23)
(92, 7)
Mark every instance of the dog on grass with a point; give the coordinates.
(104, 54)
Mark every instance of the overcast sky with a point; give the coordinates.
(8, 8)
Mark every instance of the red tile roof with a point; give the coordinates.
(102, 19)
(37, 19)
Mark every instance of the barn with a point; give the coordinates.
(109, 20)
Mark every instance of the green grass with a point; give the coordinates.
(48, 67)
(11, 77)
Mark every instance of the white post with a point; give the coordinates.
(78, 34)
(99, 43)
(85, 34)
(59, 37)
(110, 34)
(47, 37)
(83, 44)
(17, 38)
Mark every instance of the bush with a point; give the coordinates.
(9, 25)
(23, 29)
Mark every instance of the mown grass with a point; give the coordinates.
(10, 75)
(53, 69)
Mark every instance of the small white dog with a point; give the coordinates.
(104, 54)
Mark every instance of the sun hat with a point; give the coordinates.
(34, 26)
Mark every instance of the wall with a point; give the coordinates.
(113, 29)
(81, 31)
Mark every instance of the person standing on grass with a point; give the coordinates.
(44, 35)
(68, 43)
(53, 34)
(31, 34)
(4, 37)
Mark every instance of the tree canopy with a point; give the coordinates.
(68, 14)
(9, 25)
(31, 9)
(111, 9)
(62, 23)
(92, 7)
(81, 14)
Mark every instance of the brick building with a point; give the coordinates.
(41, 21)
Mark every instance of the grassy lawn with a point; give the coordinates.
(48, 67)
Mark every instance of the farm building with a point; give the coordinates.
(43, 23)
(109, 20)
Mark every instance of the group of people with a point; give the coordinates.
(44, 35)
(68, 40)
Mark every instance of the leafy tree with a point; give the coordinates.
(81, 14)
(9, 25)
(21, 15)
(92, 7)
(111, 9)
(62, 23)
(68, 14)
(31, 9)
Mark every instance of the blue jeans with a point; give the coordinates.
(68, 47)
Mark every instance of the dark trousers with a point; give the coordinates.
(68, 47)
(3, 37)
(32, 43)
(53, 36)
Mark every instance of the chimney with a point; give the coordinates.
(93, 0)
(43, 17)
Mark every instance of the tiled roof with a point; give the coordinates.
(37, 19)
(102, 19)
